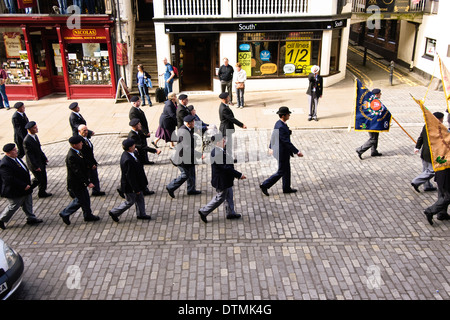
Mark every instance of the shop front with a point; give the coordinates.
(31, 54)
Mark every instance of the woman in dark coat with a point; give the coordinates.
(167, 121)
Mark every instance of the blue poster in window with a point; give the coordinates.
(265, 55)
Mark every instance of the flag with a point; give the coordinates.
(22, 4)
(370, 113)
(438, 139)
(445, 76)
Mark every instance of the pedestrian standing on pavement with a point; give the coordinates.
(76, 119)
(4, 103)
(428, 171)
(240, 76)
(140, 140)
(16, 187)
(133, 182)
(142, 79)
(372, 143)
(314, 92)
(78, 182)
(223, 175)
(19, 121)
(36, 159)
(182, 110)
(168, 74)
(167, 121)
(185, 158)
(88, 152)
(226, 78)
(440, 207)
(283, 150)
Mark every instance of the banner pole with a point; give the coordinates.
(404, 130)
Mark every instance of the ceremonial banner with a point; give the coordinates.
(370, 114)
(445, 76)
(438, 139)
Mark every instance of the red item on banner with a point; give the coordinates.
(122, 54)
(22, 4)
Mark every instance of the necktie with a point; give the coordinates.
(20, 164)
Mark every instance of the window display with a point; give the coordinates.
(14, 57)
(88, 64)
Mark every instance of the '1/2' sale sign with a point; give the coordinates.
(298, 54)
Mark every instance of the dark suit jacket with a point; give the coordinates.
(19, 123)
(223, 172)
(133, 177)
(88, 153)
(36, 158)
(139, 114)
(182, 112)
(168, 118)
(186, 141)
(313, 83)
(227, 119)
(14, 179)
(281, 144)
(77, 171)
(75, 121)
(140, 140)
(422, 142)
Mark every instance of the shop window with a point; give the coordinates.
(382, 31)
(278, 54)
(14, 57)
(37, 47)
(88, 64)
(392, 36)
(430, 49)
(335, 49)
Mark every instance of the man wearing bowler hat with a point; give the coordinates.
(19, 120)
(283, 150)
(185, 158)
(76, 119)
(16, 187)
(78, 182)
(36, 159)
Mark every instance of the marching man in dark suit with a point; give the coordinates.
(88, 152)
(133, 182)
(137, 113)
(36, 159)
(283, 150)
(76, 119)
(141, 141)
(16, 186)
(227, 119)
(185, 158)
(182, 110)
(19, 120)
(223, 175)
(78, 182)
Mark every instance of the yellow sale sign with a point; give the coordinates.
(298, 54)
(245, 58)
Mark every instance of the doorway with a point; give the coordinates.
(144, 10)
(195, 61)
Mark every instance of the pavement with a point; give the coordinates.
(354, 230)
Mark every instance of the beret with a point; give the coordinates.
(30, 125)
(189, 118)
(127, 143)
(438, 115)
(134, 122)
(223, 95)
(134, 99)
(376, 91)
(18, 105)
(75, 139)
(190, 107)
(8, 147)
(182, 96)
(73, 105)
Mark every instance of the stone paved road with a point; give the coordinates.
(350, 220)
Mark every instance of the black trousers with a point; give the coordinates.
(284, 173)
(441, 205)
(41, 178)
(372, 143)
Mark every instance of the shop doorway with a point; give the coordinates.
(144, 10)
(195, 62)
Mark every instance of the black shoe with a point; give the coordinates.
(65, 219)
(430, 189)
(290, 191)
(416, 187)
(264, 190)
(202, 216)
(91, 218)
(114, 217)
(2, 225)
(194, 193)
(121, 194)
(153, 143)
(144, 217)
(443, 217)
(359, 155)
(315, 119)
(148, 162)
(45, 195)
(233, 216)
(34, 221)
(309, 118)
(170, 193)
(98, 194)
(376, 154)
(148, 192)
(429, 217)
